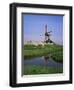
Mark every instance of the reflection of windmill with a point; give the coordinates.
(47, 35)
(46, 59)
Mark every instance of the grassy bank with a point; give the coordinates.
(55, 51)
(32, 69)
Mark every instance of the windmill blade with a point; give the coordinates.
(50, 32)
(42, 35)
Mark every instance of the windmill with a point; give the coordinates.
(47, 35)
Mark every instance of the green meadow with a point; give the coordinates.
(33, 69)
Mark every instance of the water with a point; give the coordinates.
(42, 61)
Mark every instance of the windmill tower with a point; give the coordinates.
(47, 35)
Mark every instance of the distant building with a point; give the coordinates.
(36, 43)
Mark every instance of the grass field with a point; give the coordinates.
(56, 51)
(32, 69)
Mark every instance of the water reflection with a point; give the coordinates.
(45, 61)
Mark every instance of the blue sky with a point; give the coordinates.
(34, 27)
